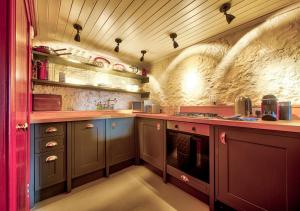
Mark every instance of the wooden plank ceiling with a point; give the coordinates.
(143, 24)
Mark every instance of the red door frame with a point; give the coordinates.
(4, 104)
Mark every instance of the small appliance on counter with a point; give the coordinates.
(137, 106)
(269, 108)
(243, 106)
(151, 107)
(285, 110)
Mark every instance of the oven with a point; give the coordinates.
(187, 154)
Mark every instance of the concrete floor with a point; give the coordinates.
(135, 188)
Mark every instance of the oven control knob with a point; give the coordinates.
(193, 128)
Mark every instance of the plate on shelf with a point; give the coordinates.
(101, 62)
(118, 67)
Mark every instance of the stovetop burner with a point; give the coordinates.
(197, 115)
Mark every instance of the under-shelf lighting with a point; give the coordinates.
(74, 61)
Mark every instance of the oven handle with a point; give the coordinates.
(184, 178)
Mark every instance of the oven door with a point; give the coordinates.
(189, 153)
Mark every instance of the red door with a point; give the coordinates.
(18, 100)
(21, 93)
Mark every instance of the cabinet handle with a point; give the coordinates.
(51, 158)
(113, 125)
(193, 128)
(158, 126)
(176, 126)
(89, 126)
(51, 130)
(184, 178)
(223, 138)
(51, 144)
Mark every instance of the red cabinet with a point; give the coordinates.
(257, 170)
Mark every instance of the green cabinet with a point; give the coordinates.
(68, 154)
(151, 134)
(88, 147)
(47, 160)
(120, 145)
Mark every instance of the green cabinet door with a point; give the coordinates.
(120, 140)
(88, 147)
(151, 133)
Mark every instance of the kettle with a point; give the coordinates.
(243, 106)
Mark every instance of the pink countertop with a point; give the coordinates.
(281, 125)
(62, 116)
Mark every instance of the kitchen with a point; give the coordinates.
(150, 105)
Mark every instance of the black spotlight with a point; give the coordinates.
(173, 36)
(78, 28)
(143, 53)
(118, 41)
(224, 8)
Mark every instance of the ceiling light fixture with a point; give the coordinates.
(173, 36)
(223, 9)
(118, 41)
(78, 28)
(143, 53)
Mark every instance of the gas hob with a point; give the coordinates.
(197, 115)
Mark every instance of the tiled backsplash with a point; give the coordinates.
(82, 99)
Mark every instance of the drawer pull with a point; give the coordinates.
(113, 125)
(51, 158)
(184, 178)
(89, 126)
(51, 130)
(223, 138)
(51, 144)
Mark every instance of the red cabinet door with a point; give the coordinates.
(257, 170)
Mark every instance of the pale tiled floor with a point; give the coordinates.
(135, 188)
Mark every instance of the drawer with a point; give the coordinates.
(49, 129)
(50, 169)
(195, 128)
(49, 144)
(189, 180)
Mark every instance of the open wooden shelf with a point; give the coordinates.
(91, 87)
(63, 61)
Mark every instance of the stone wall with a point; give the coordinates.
(261, 60)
